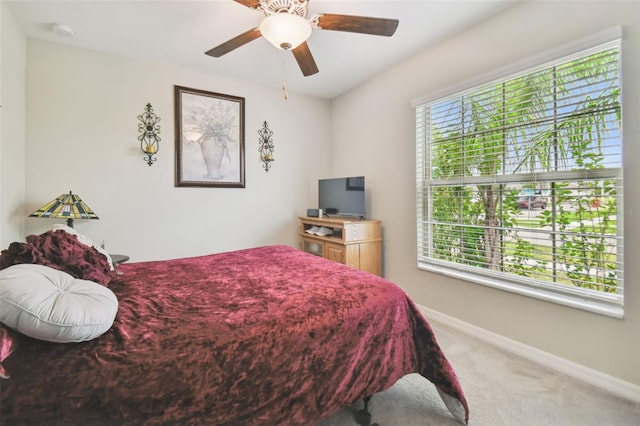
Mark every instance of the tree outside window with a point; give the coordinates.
(521, 180)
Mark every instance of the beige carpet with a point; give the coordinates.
(501, 389)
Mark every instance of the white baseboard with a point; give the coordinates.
(596, 378)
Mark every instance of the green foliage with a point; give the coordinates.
(521, 262)
(586, 250)
(509, 128)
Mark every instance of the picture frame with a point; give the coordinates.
(209, 134)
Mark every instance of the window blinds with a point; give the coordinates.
(519, 181)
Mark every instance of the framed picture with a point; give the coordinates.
(209, 139)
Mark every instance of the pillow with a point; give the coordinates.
(48, 304)
(59, 250)
(84, 240)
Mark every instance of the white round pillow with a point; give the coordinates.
(48, 304)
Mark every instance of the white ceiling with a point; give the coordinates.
(180, 31)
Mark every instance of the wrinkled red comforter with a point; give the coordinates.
(263, 336)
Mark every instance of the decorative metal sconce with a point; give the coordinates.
(149, 134)
(266, 146)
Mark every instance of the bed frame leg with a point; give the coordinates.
(363, 417)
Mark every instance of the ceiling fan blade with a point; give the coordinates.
(253, 4)
(305, 59)
(357, 24)
(234, 43)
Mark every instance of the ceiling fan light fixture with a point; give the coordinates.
(285, 31)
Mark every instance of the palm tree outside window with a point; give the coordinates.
(519, 182)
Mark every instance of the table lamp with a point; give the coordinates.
(68, 206)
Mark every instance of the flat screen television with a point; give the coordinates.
(342, 196)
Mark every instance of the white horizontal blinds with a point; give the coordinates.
(521, 179)
(515, 118)
(422, 120)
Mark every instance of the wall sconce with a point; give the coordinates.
(149, 134)
(266, 146)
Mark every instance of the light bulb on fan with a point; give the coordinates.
(285, 31)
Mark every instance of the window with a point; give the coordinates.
(519, 182)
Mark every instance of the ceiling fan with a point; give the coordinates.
(286, 27)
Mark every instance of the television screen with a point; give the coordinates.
(342, 196)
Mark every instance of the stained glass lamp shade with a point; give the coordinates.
(67, 206)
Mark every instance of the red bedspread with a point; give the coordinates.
(270, 335)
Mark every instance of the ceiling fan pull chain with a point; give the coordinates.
(284, 78)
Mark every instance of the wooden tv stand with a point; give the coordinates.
(353, 242)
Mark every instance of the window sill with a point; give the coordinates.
(602, 307)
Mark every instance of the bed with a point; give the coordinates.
(262, 336)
